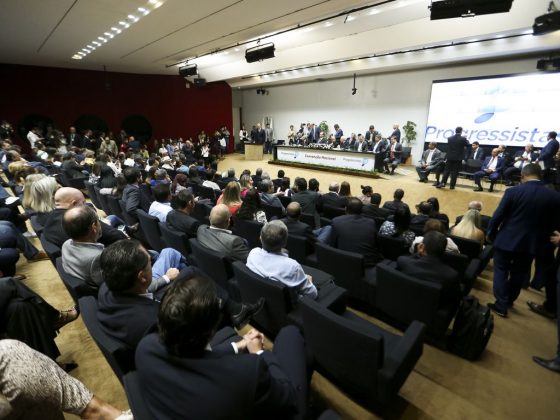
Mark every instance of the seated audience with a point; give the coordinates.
(72, 168)
(437, 226)
(492, 168)
(218, 238)
(367, 191)
(427, 265)
(307, 199)
(356, 233)
(246, 183)
(344, 191)
(230, 176)
(127, 310)
(417, 221)
(435, 212)
(399, 226)
(181, 357)
(210, 181)
(37, 388)
(180, 219)
(267, 195)
(39, 199)
(484, 219)
(180, 183)
(397, 201)
(332, 198)
(314, 185)
(193, 176)
(257, 178)
(373, 210)
(251, 209)
(469, 227)
(271, 261)
(231, 197)
(278, 181)
(132, 196)
(161, 206)
(160, 177)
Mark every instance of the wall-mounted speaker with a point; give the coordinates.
(448, 9)
(259, 53)
(199, 82)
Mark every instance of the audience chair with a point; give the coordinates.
(52, 250)
(309, 219)
(128, 218)
(285, 200)
(117, 355)
(150, 229)
(249, 230)
(76, 287)
(175, 239)
(68, 181)
(404, 299)
(102, 198)
(391, 248)
(301, 249)
(136, 400)
(272, 212)
(348, 271)
(207, 192)
(115, 207)
(471, 249)
(92, 194)
(331, 212)
(467, 269)
(201, 212)
(364, 360)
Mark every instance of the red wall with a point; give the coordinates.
(64, 95)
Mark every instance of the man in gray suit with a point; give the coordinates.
(268, 139)
(218, 238)
(431, 160)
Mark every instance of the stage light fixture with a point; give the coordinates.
(448, 9)
(546, 23)
(259, 53)
(188, 70)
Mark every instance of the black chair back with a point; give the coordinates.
(68, 181)
(391, 248)
(136, 400)
(120, 358)
(249, 230)
(201, 212)
(76, 287)
(331, 212)
(115, 207)
(213, 263)
(272, 212)
(299, 248)
(468, 247)
(150, 228)
(346, 267)
(308, 218)
(102, 198)
(207, 192)
(274, 315)
(92, 194)
(285, 200)
(175, 239)
(52, 250)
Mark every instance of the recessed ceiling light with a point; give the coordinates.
(374, 12)
(81, 53)
(327, 24)
(96, 43)
(77, 57)
(153, 1)
(141, 9)
(236, 49)
(350, 18)
(89, 46)
(123, 23)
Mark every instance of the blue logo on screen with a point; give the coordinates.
(365, 161)
(296, 154)
(488, 111)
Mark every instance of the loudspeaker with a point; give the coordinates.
(199, 82)
(448, 9)
(190, 70)
(546, 23)
(259, 53)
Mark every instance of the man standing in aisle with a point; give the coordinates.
(456, 150)
(268, 139)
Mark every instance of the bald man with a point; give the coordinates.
(66, 198)
(218, 238)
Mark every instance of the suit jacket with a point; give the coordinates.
(214, 386)
(219, 240)
(436, 157)
(73, 169)
(356, 144)
(313, 135)
(308, 201)
(392, 205)
(371, 136)
(499, 165)
(533, 156)
(397, 152)
(397, 134)
(333, 199)
(134, 199)
(182, 222)
(548, 152)
(338, 134)
(479, 154)
(456, 146)
(432, 269)
(382, 148)
(77, 140)
(373, 211)
(356, 233)
(296, 227)
(54, 232)
(268, 137)
(258, 136)
(525, 219)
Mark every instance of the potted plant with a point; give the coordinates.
(410, 132)
(324, 127)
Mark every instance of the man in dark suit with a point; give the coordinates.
(180, 219)
(307, 199)
(547, 156)
(427, 265)
(360, 145)
(520, 229)
(373, 210)
(313, 135)
(257, 178)
(294, 225)
(371, 134)
(431, 161)
(456, 151)
(66, 198)
(492, 168)
(127, 311)
(520, 159)
(74, 139)
(396, 132)
(332, 199)
(71, 167)
(379, 149)
(477, 152)
(230, 176)
(393, 156)
(258, 135)
(212, 381)
(356, 233)
(218, 238)
(338, 133)
(397, 201)
(133, 197)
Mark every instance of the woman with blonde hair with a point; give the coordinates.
(469, 227)
(231, 197)
(41, 197)
(29, 181)
(246, 184)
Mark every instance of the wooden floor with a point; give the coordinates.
(504, 384)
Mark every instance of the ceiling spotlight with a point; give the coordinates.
(259, 53)
(446, 9)
(546, 23)
(188, 70)
(123, 23)
(77, 57)
(96, 43)
(101, 38)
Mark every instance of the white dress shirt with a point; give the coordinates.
(160, 210)
(493, 163)
(430, 157)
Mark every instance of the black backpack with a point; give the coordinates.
(473, 327)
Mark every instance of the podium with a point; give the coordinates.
(253, 151)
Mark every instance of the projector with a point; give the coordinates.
(546, 23)
(259, 53)
(448, 9)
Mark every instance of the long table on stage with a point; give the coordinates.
(321, 158)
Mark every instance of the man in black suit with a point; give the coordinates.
(127, 311)
(258, 135)
(71, 167)
(393, 156)
(379, 149)
(373, 210)
(397, 201)
(356, 233)
(332, 199)
(371, 134)
(431, 161)
(456, 151)
(396, 132)
(313, 135)
(66, 198)
(257, 178)
(133, 197)
(427, 265)
(477, 152)
(294, 225)
(307, 199)
(73, 138)
(547, 156)
(520, 229)
(180, 219)
(212, 381)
